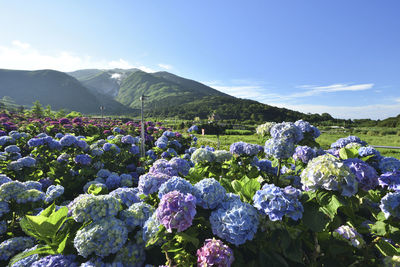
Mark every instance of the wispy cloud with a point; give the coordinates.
(311, 90)
(21, 55)
(165, 66)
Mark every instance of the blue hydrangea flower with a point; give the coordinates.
(3, 227)
(242, 148)
(83, 159)
(304, 153)
(176, 210)
(389, 164)
(236, 223)
(391, 180)
(365, 151)
(390, 205)
(351, 236)
(103, 173)
(151, 227)
(33, 185)
(113, 181)
(6, 140)
(211, 193)
(134, 149)
(30, 195)
(4, 179)
(151, 182)
(12, 149)
(127, 196)
(59, 135)
(180, 165)
(90, 207)
(126, 180)
(103, 237)
(136, 215)
(265, 165)
(287, 131)
(150, 153)
(128, 139)
(53, 192)
(306, 127)
(12, 246)
(179, 184)
(222, 156)
(277, 202)
(342, 142)
(366, 176)
(27, 261)
(96, 152)
(193, 128)
(68, 140)
(10, 190)
(279, 148)
(56, 260)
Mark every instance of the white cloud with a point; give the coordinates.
(165, 66)
(312, 90)
(23, 56)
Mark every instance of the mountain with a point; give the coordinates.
(102, 81)
(54, 88)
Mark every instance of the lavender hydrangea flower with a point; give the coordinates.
(211, 193)
(390, 205)
(351, 236)
(366, 176)
(328, 173)
(103, 237)
(176, 210)
(163, 166)
(391, 180)
(203, 155)
(389, 164)
(304, 153)
(136, 215)
(236, 223)
(277, 202)
(242, 148)
(151, 182)
(90, 207)
(287, 131)
(279, 148)
(56, 260)
(127, 196)
(214, 253)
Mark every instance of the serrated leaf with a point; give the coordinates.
(329, 203)
(250, 188)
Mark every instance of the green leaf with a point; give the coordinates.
(343, 153)
(183, 237)
(96, 190)
(386, 248)
(313, 218)
(237, 186)
(250, 188)
(379, 228)
(49, 210)
(62, 244)
(329, 203)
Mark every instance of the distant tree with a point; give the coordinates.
(21, 109)
(61, 113)
(37, 109)
(2, 106)
(47, 111)
(8, 100)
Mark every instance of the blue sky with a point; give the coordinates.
(340, 57)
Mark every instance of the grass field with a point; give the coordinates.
(325, 140)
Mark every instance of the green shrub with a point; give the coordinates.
(238, 132)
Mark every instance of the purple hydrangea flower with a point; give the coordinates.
(163, 166)
(180, 165)
(176, 210)
(56, 260)
(214, 253)
(151, 182)
(351, 235)
(391, 180)
(389, 164)
(304, 153)
(366, 176)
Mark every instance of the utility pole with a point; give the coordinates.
(102, 119)
(142, 146)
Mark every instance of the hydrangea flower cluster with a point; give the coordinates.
(243, 149)
(235, 222)
(389, 164)
(151, 182)
(3, 227)
(128, 139)
(366, 176)
(131, 254)
(12, 246)
(53, 192)
(103, 237)
(306, 127)
(150, 227)
(265, 165)
(27, 261)
(265, 128)
(163, 166)
(391, 180)
(279, 148)
(127, 196)
(202, 155)
(56, 260)
(287, 131)
(176, 210)
(136, 215)
(351, 236)
(182, 166)
(179, 184)
(342, 142)
(277, 202)
(193, 128)
(113, 181)
(214, 253)
(328, 173)
(90, 207)
(83, 159)
(211, 193)
(365, 151)
(304, 153)
(390, 205)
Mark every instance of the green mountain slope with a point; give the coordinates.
(53, 88)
